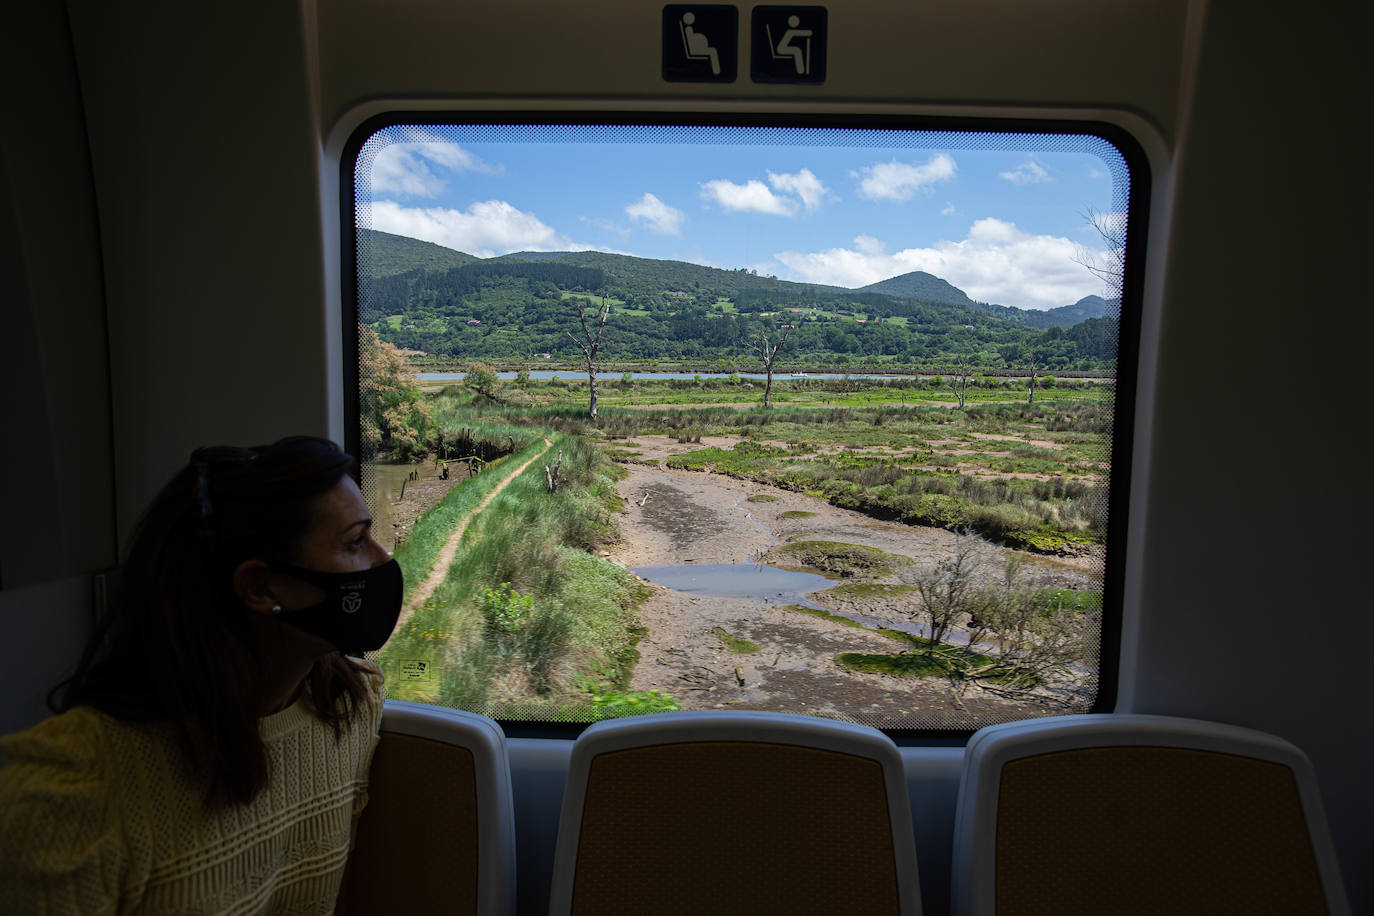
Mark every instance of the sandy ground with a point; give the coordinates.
(677, 517)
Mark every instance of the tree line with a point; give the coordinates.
(517, 310)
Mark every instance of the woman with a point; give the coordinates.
(212, 749)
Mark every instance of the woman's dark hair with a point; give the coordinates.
(177, 645)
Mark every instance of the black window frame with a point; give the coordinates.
(1128, 340)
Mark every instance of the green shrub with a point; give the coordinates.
(481, 378)
(918, 665)
(504, 609)
(634, 703)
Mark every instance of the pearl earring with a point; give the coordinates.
(276, 609)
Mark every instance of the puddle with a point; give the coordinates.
(768, 584)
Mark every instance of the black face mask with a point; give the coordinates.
(359, 609)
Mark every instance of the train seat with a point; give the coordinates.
(438, 832)
(1139, 814)
(734, 812)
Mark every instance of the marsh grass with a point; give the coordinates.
(892, 462)
(736, 644)
(1079, 600)
(945, 661)
(838, 558)
(896, 665)
(417, 553)
(1022, 513)
(582, 615)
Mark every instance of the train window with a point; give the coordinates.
(820, 416)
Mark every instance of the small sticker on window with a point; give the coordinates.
(415, 670)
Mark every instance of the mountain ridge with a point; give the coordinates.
(392, 251)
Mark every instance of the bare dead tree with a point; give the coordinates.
(960, 371)
(1031, 399)
(1038, 641)
(950, 590)
(769, 356)
(552, 472)
(1109, 263)
(591, 345)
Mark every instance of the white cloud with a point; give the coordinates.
(407, 168)
(661, 218)
(484, 229)
(795, 192)
(1028, 172)
(901, 180)
(869, 246)
(998, 262)
(804, 184)
(947, 209)
(751, 197)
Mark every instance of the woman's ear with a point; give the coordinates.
(253, 585)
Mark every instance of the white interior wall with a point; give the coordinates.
(205, 128)
(206, 171)
(1250, 593)
(55, 470)
(56, 474)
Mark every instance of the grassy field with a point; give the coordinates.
(617, 305)
(1029, 475)
(614, 391)
(417, 553)
(1032, 476)
(528, 622)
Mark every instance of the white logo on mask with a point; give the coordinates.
(351, 603)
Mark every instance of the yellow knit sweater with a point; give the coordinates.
(101, 816)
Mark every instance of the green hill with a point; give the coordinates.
(651, 275)
(919, 285)
(384, 255)
(512, 307)
(1083, 309)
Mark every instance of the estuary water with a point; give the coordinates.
(657, 376)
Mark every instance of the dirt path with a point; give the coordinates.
(685, 517)
(450, 548)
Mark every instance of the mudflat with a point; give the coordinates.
(685, 517)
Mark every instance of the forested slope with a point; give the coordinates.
(517, 306)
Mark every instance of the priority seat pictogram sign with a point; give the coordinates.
(787, 44)
(700, 43)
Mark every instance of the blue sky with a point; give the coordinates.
(1006, 226)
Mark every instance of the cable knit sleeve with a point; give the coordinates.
(62, 848)
(370, 722)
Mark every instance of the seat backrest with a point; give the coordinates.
(734, 812)
(438, 832)
(1139, 814)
